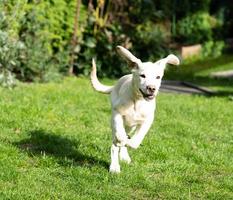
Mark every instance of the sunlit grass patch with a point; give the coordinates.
(55, 144)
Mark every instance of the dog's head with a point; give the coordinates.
(147, 76)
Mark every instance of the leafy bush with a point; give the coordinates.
(44, 29)
(196, 28)
(10, 45)
(100, 39)
(102, 47)
(9, 53)
(47, 32)
(151, 40)
(212, 49)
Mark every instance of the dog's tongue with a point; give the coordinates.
(150, 97)
(147, 96)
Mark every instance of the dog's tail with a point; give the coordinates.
(95, 82)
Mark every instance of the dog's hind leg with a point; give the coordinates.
(124, 155)
(115, 166)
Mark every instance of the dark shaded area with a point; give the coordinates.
(223, 9)
(67, 151)
(184, 87)
(215, 82)
(198, 86)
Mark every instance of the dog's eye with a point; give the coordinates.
(143, 75)
(157, 77)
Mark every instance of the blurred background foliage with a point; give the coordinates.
(36, 35)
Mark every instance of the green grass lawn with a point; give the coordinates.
(55, 144)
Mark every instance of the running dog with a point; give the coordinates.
(133, 102)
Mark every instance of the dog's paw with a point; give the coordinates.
(125, 159)
(114, 168)
(124, 156)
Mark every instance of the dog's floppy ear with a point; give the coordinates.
(128, 56)
(172, 59)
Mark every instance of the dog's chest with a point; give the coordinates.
(137, 113)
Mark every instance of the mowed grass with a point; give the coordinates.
(55, 144)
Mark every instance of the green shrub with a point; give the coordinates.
(47, 32)
(101, 46)
(151, 40)
(196, 28)
(44, 29)
(9, 53)
(10, 45)
(212, 49)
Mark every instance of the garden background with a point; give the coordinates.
(42, 40)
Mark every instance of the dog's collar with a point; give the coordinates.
(147, 97)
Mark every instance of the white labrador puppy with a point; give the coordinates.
(133, 102)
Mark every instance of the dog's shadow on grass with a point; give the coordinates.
(66, 151)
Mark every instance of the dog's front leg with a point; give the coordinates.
(141, 131)
(118, 129)
(119, 137)
(114, 166)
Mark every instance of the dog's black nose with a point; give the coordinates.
(151, 88)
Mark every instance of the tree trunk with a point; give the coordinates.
(74, 37)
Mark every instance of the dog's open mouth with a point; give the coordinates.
(147, 96)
